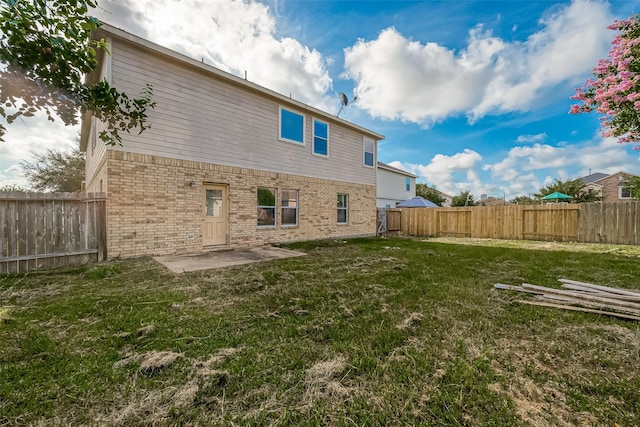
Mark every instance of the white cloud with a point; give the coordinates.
(518, 173)
(32, 135)
(523, 139)
(398, 78)
(450, 174)
(233, 35)
(524, 169)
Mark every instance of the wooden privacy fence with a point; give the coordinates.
(39, 230)
(616, 223)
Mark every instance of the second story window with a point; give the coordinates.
(369, 152)
(320, 138)
(408, 184)
(291, 126)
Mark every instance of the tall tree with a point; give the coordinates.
(429, 193)
(575, 188)
(12, 188)
(46, 50)
(465, 198)
(55, 171)
(523, 200)
(614, 91)
(632, 184)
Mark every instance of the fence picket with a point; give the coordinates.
(615, 223)
(51, 230)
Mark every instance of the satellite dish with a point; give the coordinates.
(344, 101)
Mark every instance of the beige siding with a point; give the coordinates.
(95, 157)
(200, 117)
(392, 188)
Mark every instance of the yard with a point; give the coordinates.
(359, 332)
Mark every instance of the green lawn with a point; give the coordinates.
(363, 332)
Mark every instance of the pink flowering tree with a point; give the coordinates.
(614, 91)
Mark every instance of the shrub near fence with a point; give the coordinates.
(616, 223)
(40, 230)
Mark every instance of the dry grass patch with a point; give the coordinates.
(367, 332)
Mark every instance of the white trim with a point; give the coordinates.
(304, 126)
(346, 209)
(620, 194)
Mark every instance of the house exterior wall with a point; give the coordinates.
(152, 209)
(202, 117)
(213, 128)
(391, 188)
(611, 187)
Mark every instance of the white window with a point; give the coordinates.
(369, 152)
(266, 207)
(624, 193)
(291, 126)
(343, 208)
(320, 138)
(289, 206)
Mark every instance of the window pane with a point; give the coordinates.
(368, 151)
(289, 216)
(342, 216)
(266, 206)
(320, 146)
(214, 203)
(291, 126)
(408, 186)
(368, 159)
(266, 196)
(343, 208)
(266, 216)
(320, 129)
(289, 198)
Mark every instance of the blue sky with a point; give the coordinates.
(471, 95)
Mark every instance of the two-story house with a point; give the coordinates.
(394, 185)
(611, 187)
(226, 162)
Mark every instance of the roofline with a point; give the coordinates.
(109, 30)
(392, 169)
(617, 173)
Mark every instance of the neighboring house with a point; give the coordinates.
(447, 199)
(611, 187)
(492, 201)
(226, 163)
(393, 185)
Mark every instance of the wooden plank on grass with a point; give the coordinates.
(596, 292)
(582, 296)
(515, 288)
(584, 310)
(588, 304)
(602, 288)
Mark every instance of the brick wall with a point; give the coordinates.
(610, 188)
(153, 210)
